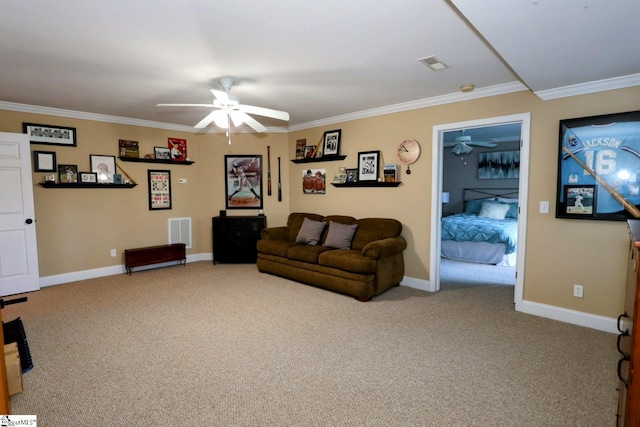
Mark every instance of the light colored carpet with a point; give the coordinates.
(459, 274)
(225, 345)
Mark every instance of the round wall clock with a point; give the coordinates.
(408, 152)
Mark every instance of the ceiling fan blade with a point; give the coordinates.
(449, 144)
(221, 95)
(185, 105)
(483, 144)
(265, 112)
(253, 123)
(206, 121)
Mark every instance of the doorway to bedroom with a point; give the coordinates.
(479, 195)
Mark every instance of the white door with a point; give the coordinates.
(18, 247)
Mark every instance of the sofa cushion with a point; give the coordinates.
(306, 253)
(348, 260)
(310, 231)
(295, 220)
(339, 235)
(275, 247)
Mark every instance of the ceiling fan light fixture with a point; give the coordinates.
(221, 119)
(461, 149)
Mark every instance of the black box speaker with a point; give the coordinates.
(223, 213)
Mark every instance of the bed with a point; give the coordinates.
(486, 232)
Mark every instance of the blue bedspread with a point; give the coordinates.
(472, 228)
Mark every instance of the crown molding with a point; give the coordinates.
(414, 105)
(59, 112)
(590, 87)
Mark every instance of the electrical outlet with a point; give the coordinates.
(578, 291)
(113, 252)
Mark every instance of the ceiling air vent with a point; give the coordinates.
(434, 63)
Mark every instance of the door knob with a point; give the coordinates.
(29, 221)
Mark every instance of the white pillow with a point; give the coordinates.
(494, 210)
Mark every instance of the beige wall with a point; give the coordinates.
(77, 227)
(559, 252)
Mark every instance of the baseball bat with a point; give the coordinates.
(268, 170)
(617, 196)
(279, 182)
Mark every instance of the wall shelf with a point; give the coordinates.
(84, 185)
(366, 184)
(319, 159)
(165, 161)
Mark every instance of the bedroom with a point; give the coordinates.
(480, 191)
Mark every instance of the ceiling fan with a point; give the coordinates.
(463, 144)
(227, 110)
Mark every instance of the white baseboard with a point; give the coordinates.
(601, 323)
(110, 271)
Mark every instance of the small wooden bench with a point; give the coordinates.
(139, 257)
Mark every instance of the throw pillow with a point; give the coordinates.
(494, 210)
(310, 231)
(339, 235)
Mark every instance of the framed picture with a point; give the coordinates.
(309, 151)
(129, 148)
(331, 144)
(50, 135)
(368, 165)
(352, 175)
(314, 181)
(300, 145)
(104, 167)
(159, 189)
(243, 181)
(603, 152)
(163, 153)
(67, 174)
(88, 177)
(177, 148)
(580, 200)
(44, 161)
(499, 165)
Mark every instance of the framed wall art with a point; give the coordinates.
(67, 174)
(368, 165)
(44, 161)
(88, 177)
(51, 135)
(243, 181)
(314, 181)
(163, 153)
(601, 153)
(580, 200)
(104, 167)
(331, 143)
(499, 165)
(159, 189)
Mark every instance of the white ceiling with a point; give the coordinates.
(321, 61)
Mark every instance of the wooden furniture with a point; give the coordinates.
(235, 238)
(154, 255)
(628, 342)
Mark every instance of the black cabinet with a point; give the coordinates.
(235, 238)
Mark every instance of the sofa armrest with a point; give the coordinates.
(384, 247)
(275, 233)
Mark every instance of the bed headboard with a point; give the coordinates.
(488, 193)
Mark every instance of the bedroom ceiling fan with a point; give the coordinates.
(227, 110)
(463, 144)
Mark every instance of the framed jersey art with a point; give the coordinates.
(600, 157)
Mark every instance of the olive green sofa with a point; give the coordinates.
(363, 266)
